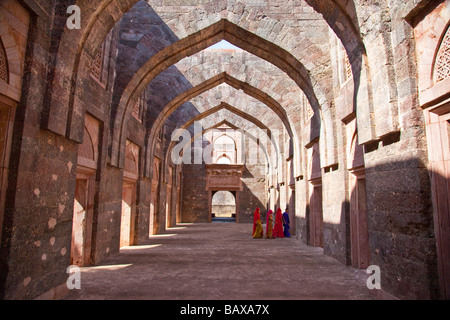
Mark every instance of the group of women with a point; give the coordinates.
(278, 230)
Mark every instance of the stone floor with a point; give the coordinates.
(221, 261)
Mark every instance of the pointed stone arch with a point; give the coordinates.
(249, 135)
(14, 25)
(4, 69)
(224, 106)
(211, 83)
(442, 61)
(101, 15)
(222, 30)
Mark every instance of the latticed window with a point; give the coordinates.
(442, 67)
(309, 112)
(161, 134)
(307, 109)
(4, 74)
(348, 67)
(100, 63)
(138, 110)
(97, 64)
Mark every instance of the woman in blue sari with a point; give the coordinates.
(286, 223)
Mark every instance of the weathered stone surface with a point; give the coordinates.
(345, 89)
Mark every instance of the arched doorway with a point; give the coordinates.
(316, 236)
(224, 177)
(14, 25)
(129, 196)
(359, 234)
(223, 206)
(83, 223)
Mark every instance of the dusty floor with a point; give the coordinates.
(221, 261)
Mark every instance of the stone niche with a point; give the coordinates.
(223, 177)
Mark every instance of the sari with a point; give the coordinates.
(269, 227)
(287, 226)
(258, 231)
(278, 230)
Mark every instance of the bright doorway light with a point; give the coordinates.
(223, 45)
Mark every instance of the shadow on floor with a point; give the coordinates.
(223, 220)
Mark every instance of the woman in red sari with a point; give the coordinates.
(278, 229)
(257, 225)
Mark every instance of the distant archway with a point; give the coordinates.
(225, 106)
(224, 160)
(207, 85)
(222, 30)
(224, 206)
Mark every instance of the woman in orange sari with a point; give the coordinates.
(257, 225)
(269, 228)
(278, 230)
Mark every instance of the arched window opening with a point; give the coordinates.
(4, 73)
(224, 206)
(224, 160)
(442, 66)
(225, 150)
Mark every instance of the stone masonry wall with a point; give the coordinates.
(309, 39)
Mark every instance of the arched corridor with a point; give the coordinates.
(221, 262)
(121, 121)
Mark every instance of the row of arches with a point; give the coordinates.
(333, 128)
